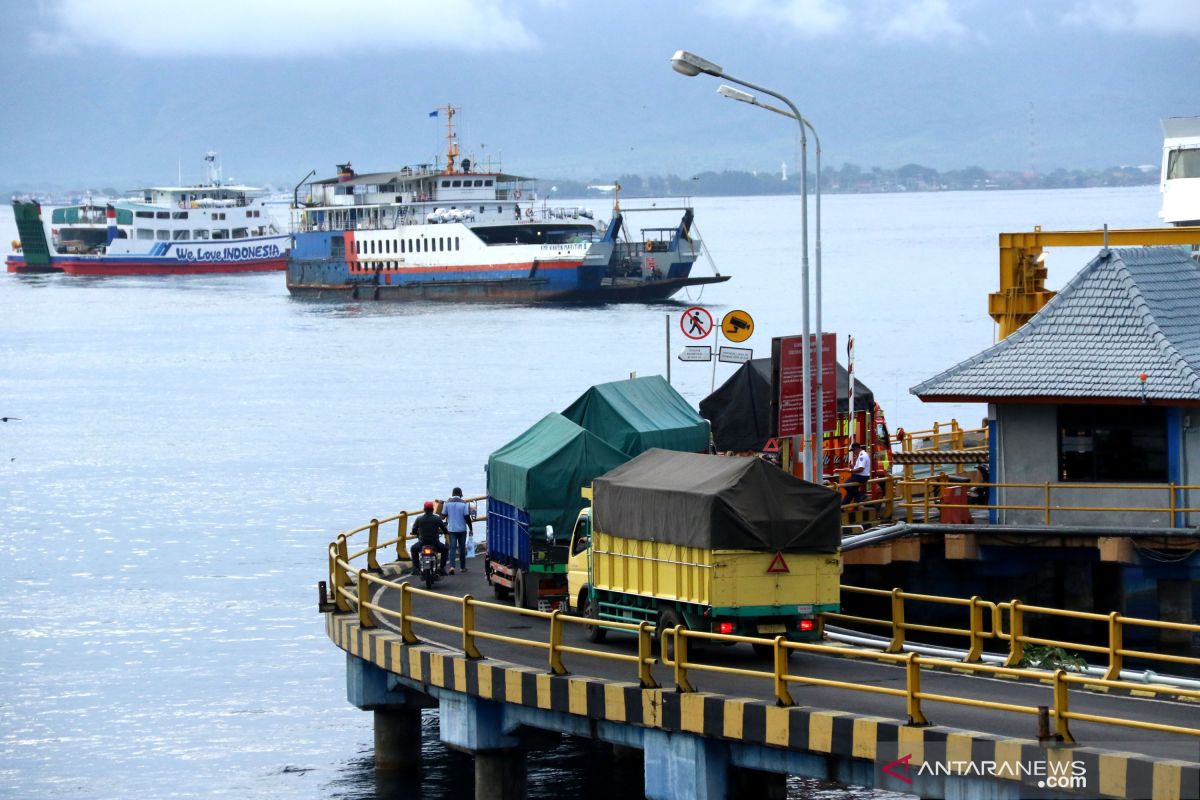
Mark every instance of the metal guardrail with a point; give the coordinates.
(351, 589)
(930, 497)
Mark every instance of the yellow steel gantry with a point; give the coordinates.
(1023, 273)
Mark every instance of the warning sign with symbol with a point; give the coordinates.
(778, 564)
(737, 326)
(696, 323)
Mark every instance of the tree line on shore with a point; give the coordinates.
(849, 179)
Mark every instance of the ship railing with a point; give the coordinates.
(941, 497)
(356, 593)
(943, 436)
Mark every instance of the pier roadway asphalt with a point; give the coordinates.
(851, 670)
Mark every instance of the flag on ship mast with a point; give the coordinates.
(433, 113)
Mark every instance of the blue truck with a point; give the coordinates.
(534, 481)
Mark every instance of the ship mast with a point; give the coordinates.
(451, 139)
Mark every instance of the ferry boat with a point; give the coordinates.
(1180, 181)
(164, 230)
(465, 233)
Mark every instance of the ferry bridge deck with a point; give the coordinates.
(727, 723)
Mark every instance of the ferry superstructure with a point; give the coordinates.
(460, 232)
(1180, 181)
(161, 230)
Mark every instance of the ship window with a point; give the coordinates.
(240, 233)
(1183, 164)
(499, 210)
(163, 236)
(181, 236)
(488, 182)
(456, 184)
(145, 214)
(220, 233)
(481, 209)
(200, 234)
(479, 183)
(179, 215)
(1115, 443)
(402, 246)
(445, 184)
(425, 243)
(163, 214)
(145, 233)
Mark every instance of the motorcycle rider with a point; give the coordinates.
(429, 528)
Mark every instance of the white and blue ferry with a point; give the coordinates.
(461, 232)
(160, 230)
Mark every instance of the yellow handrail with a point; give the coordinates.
(352, 589)
(1171, 507)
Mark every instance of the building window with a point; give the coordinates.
(1126, 444)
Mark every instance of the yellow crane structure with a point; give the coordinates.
(1023, 289)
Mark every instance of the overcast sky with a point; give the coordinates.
(119, 92)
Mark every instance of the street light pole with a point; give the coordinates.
(735, 94)
(690, 64)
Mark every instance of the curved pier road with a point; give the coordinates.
(859, 671)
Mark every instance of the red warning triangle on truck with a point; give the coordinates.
(772, 446)
(778, 564)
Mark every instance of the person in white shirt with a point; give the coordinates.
(860, 473)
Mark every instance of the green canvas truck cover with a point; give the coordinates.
(638, 414)
(543, 469)
(716, 503)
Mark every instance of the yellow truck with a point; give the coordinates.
(725, 544)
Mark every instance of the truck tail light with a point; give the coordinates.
(722, 627)
(805, 625)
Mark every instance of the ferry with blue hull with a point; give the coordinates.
(163, 230)
(464, 233)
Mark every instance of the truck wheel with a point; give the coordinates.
(524, 594)
(595, 633)
(667, 619)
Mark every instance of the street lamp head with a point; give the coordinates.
(737, 94)
(690, 64)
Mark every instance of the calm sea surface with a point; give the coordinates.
(186, 447)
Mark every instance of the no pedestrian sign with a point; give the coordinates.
(696, 323)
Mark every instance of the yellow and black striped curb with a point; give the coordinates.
(747, 720)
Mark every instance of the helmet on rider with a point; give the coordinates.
(429, 505)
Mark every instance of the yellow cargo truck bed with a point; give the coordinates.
(730, 581)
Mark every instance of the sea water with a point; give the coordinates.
(187, 446)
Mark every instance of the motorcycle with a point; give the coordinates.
(428, 565)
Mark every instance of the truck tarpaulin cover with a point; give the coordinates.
(717, 503)
(638, 414)
(543, 469)
(740, 408)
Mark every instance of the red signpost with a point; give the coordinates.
(787, 368)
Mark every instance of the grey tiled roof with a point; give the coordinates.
(1128, 311)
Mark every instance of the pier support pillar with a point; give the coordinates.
(477, 726)
(397, 714)
(398, 739)
(680, 766)
(500, 774)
